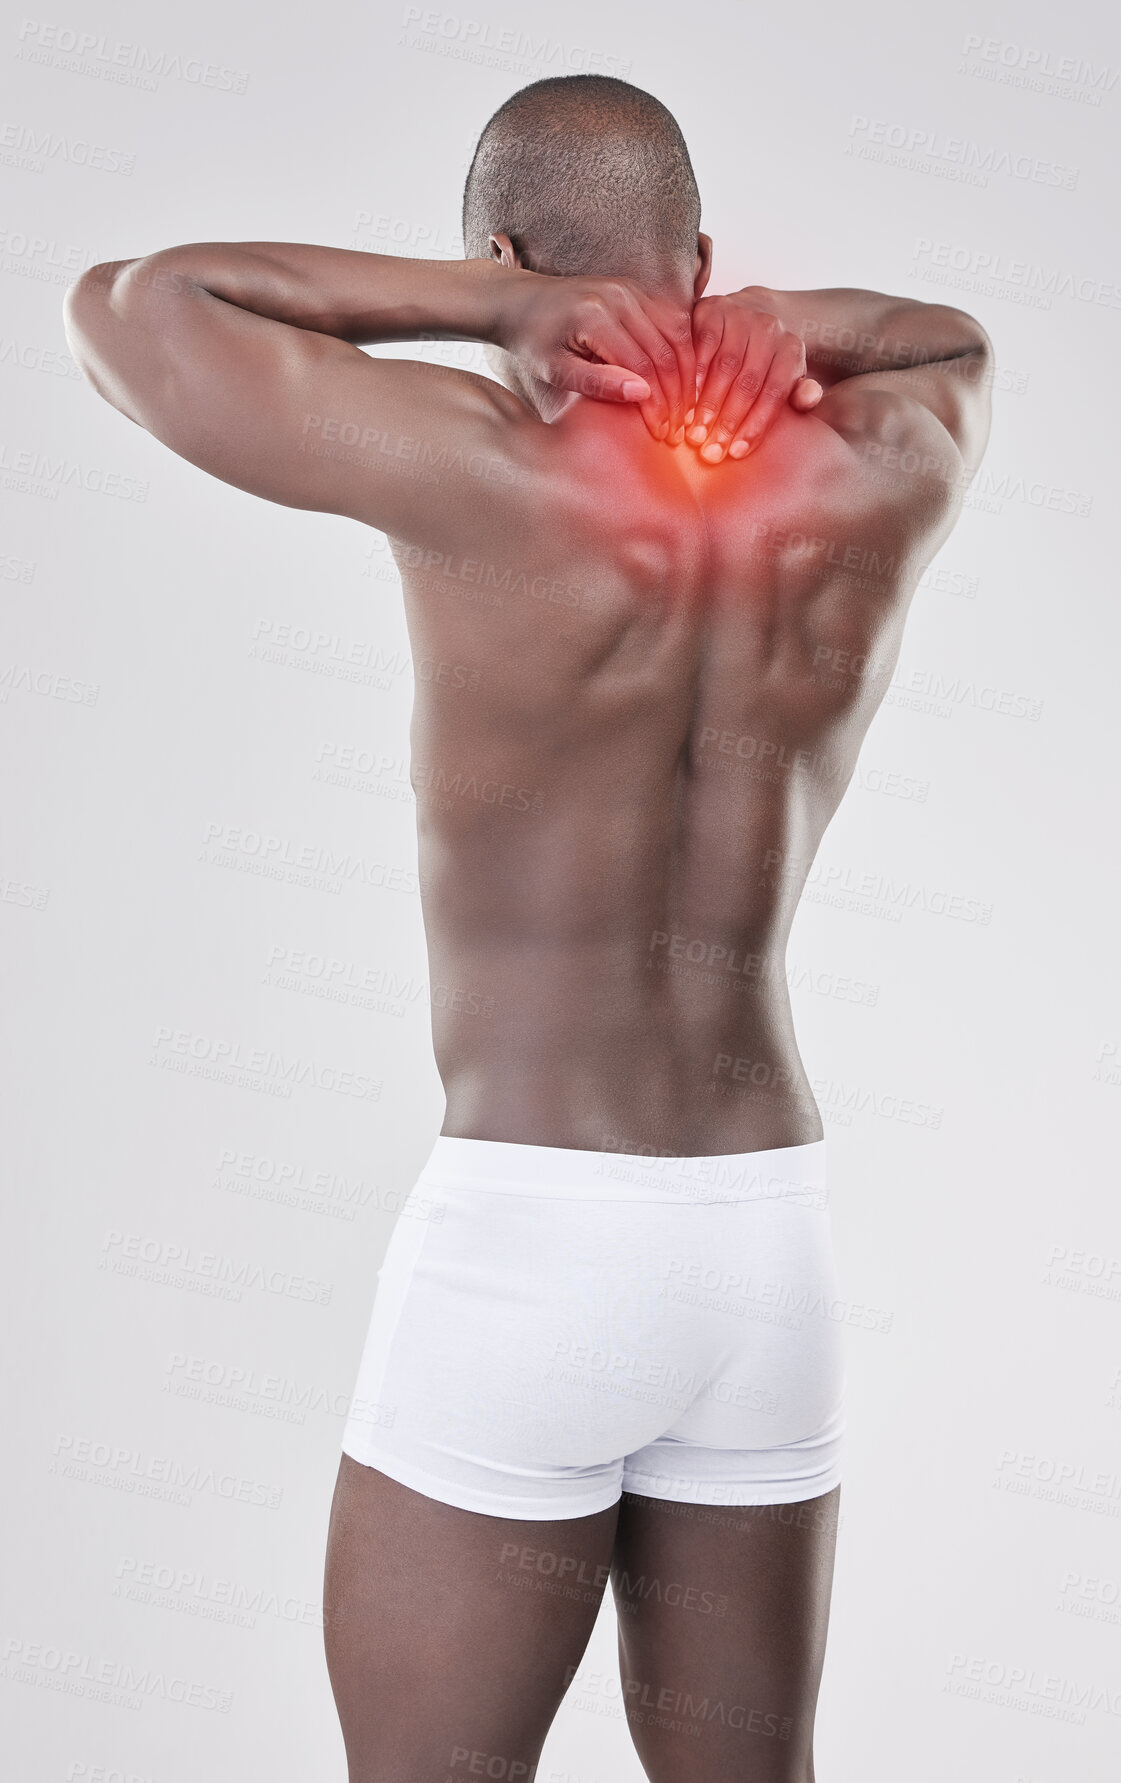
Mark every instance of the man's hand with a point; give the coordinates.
(748, 368)
(605, 338)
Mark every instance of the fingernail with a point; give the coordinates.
(697, 436)
(677, 437)
(712, 453)
(689, 416)
(739, 448)
(662, 429)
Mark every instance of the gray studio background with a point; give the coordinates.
(205, 1151)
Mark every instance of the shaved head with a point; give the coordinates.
(585, 174)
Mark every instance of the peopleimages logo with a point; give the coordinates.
(38, 473)
(931, 151)
(127, 64)
(1034, 69)
(115, 1681)
(30, 147)
(1023, 1687)
(502, 46)
(207, 1055)
(998, 275)
(176, 1264)
(200, 1594)
(282, 857)
(126, 1469)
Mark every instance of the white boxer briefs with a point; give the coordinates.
(552, 1328)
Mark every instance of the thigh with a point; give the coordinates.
(449, 1633)
(723, 1612)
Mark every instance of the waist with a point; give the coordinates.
(792, 1173)
(636, 1081)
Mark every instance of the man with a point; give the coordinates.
(663, 568)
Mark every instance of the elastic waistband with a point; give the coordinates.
(791, 1173)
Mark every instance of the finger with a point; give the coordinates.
(781, 378)
(687, 360)
(708, 328)
(603, 383)
(806, 394)
(610, 344)
(653, 405)
(637, 344)
(611, 383)
(743, 388)
(645, 326)
(677, 327)
(726, 362)
(719, 355)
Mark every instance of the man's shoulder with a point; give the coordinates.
(902, 454)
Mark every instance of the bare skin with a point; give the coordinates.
(449, 1634)
(649, 669)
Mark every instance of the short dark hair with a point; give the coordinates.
(585, 174)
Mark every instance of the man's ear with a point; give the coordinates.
(704, 264)
(501, 248)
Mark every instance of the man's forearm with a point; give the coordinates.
(848, 332)
(362, 298)
(599, 337)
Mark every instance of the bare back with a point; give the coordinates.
(642, 680)
(643, 700)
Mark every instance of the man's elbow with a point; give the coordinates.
(86, 313)
(124, 288)
(99, 314)
(969, 339)
(92, 292)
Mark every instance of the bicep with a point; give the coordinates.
(297, 417)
